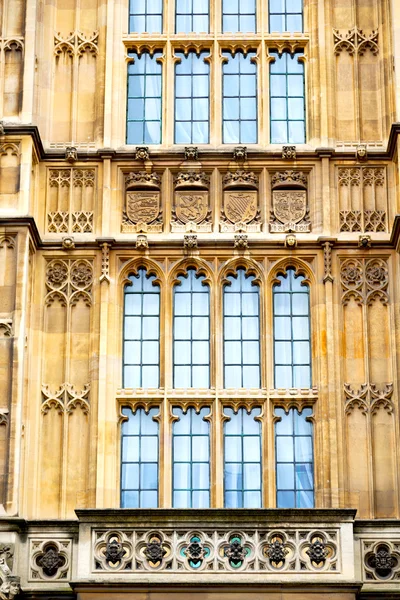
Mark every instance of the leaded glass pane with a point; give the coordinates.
(192, 95)
(144, 99)
(239, 100)
(145, 16)
(141, 337)
(191, 332)
(191, 458)
(286, 15)
(242, 459)
(192, 16)
(292, 341)
(241, 332)
(139, 467)
(239, 15)
(294, 459)
(287, 94)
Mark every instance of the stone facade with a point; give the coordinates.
(81, 211)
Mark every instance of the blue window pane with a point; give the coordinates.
(191, 468)
(294, 459)
(139, 468)
(239, 99)
(145, 16)
(286, 15)
(144, 99)
(192, 99)
(238, 15)
(242, 459)
(287, 111)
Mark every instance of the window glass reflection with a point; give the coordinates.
(144, 99)
(192, 98)
(286, 15)
(145, 16)
(239, 102)
(139, 468)
(292, 343)
(191, 350)
(191, 458)
(141, 337)
(239, 15)
(294, 459)
(192, 15)
(287, 93)
(242, 459)
(241, 332)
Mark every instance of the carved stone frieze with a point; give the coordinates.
(381, 560)
(364, 280)
(287, 550)
(368, 398)
(350, 220)
(50, 559)
(58, 221)
(362, 219)
(79, 182)
(355, 41)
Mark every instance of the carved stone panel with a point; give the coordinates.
(191, 211)
(241, 211)
(289, 211)
(142, 212)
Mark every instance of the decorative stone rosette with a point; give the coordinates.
(236, 552)
(191, 212)
(381, 560)
(142, 211)
(318, 551)
(241, 206)
(50, 559)
(290, 211)
(195, 551)
(153, 552)
(278, 551)
(113, 551)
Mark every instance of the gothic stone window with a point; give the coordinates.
(239, 15)
(192, 98)
(192, 15)
(145, 16)
(286, 15)
(287, 98)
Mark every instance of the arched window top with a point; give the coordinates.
(291, 282)
(142, 281)
(191, 281)
(242, 281)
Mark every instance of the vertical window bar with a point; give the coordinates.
(242, 459)
(192, 16)
(294, 459)
(139, 465)
(144, 99)
(292, 341)
(239, 90)
(145, 16)
(191, 458)
(287, 99)
(286, 15)
(241, 332)
(141, 336)
(192, 99)
(239, 15)
(191, 354)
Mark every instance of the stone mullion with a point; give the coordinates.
(28, 97)
(395, 327)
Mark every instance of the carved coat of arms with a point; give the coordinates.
(191, 206)
(142, 207)
(241, 206)
(142, 203)
(290, 211)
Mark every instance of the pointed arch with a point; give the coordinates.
(240, 262)
(191, 262)
(300, 267)
(132, 268)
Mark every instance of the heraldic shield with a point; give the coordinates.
(290, 208)
(191, 207)
(240, 207)
(142, 207)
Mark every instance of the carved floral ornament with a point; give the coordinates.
(355, 41)
(364, 280)
(76, 43)
(50, 559)
(369, 398)
(382, 560)
(69, 281)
